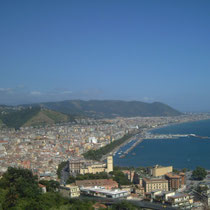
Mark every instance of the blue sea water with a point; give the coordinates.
(187, 152)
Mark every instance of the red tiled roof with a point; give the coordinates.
(96, 182)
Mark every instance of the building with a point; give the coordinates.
(181, 201)
(155, 184)
(174, 181)
(43, 188)
(105, 183)
(75, 164)
(129, 174)
(70, 191)
(101, 192)
(109, 164)
(160, 170)
(81, 166)
(176, 200)
(183, 179)
(159, 195)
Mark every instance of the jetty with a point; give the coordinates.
(172, 136)
(131, 147)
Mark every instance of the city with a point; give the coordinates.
(43, 149)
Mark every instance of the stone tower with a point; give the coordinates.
(109, 164)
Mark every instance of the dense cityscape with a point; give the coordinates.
(56, 153)
(104, 105)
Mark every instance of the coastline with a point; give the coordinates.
(141, 139)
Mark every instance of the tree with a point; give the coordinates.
(120, 177)
(124, 205)
(199, 173)
(70, 180)
(19, 184)
(61, 166)
(51, 185)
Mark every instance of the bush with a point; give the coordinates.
(199, 173)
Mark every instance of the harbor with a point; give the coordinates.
(138, 141)
(146, 136)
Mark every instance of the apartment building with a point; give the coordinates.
(155, 184)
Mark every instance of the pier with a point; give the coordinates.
(172, 136)
(131, 147)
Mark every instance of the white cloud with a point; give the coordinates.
(67, 92)
(148, 99)
(35, 93)
(5, 89)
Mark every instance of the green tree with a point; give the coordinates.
(124, 205)
(60, 168)
(51, 186)
(97, 154)
(70, 180)
(19, 183)
(120, 177)
(199, 173)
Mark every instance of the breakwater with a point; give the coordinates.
(131, 148)
(183, 152)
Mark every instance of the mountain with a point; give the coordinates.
(17, 117)
(111, 108)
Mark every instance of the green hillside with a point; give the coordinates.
(111, 108)
(1, 123)
(31, 116)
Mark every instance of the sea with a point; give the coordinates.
(185, 152)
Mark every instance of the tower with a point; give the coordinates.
(109, 164)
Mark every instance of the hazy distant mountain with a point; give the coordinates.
(16, 117)
(111, 108)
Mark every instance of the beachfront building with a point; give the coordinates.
(175, 181)
(160, 170)
(155, 184)
(78, 165)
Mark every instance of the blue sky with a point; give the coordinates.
(147, 50)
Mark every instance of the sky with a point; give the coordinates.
(146, 50)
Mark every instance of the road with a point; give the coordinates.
(142, 204)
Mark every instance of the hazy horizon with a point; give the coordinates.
(142, 50)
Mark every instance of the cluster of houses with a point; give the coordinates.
(161, 186)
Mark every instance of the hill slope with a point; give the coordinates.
(16, 118)
(111, 108)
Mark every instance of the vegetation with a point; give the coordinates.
(102, 175)
(1, 123)
(120, 177)
(31, 116)
(124, 205)
(19, 190)
(111, 108)
(201, 189)
(199, 173)
(98, 154)
(16, 118)
(60, 168)
(51, 186)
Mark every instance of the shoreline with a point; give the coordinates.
(176, 123)
(141, 139)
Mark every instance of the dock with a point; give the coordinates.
(131, 148)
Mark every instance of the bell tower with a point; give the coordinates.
(109, 164)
